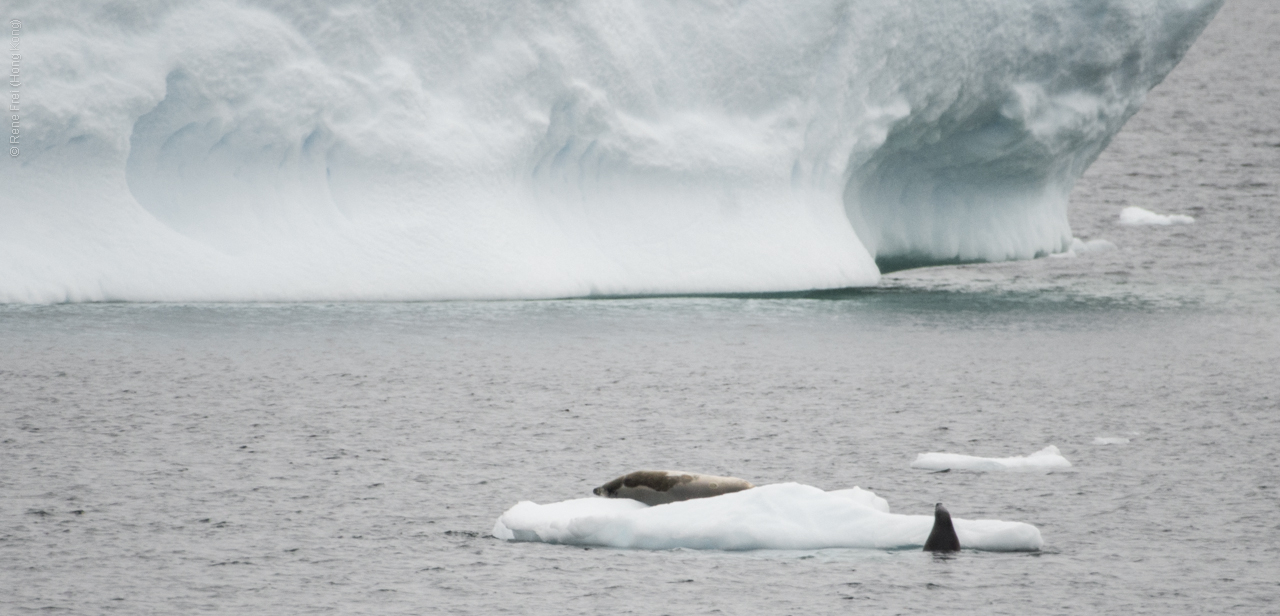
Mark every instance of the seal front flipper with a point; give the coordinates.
(943, 536)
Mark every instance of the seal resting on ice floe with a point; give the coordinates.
(661, 487)
(943, 536)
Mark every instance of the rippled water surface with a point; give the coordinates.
(351, 459)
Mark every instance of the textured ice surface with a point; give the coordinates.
(1134, 216)
(784, 516)
(290, 150)
(1048, 458)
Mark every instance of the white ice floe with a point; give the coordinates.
(1081, 247)
(1136, 216)
(1046, 459)
(785, 516)
(1110, 440)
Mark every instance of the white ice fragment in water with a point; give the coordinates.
(1110, 440)
(1080, 247)
(1136, 216)
(785, 516)
(1048, 458)
(1092, 246)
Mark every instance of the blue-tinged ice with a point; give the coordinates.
(305, 150)
(785, 516)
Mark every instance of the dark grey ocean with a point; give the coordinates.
(353, 458)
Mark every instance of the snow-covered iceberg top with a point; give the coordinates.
(784, 516)
(1134, 216)
(1046, 459)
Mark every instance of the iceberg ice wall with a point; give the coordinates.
(283, 149)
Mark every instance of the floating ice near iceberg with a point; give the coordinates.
(1135, 216)
(1080, 247)
(785, 516)
(1110, 440)
(1046, 459)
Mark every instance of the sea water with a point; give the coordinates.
(353, 458)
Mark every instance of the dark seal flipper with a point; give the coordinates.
(943, 536)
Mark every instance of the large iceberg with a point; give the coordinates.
(784, 516)
(292, 150)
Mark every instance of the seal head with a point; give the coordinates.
(661, 487)
(943, 536)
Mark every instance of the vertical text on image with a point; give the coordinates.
(15, 81)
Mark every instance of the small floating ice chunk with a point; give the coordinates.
(1081, 247)
(785, 516)
(1135, 216)
(1091, 246)
(1110, 440)
(1046, 459)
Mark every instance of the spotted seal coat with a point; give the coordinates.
(661, 487)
